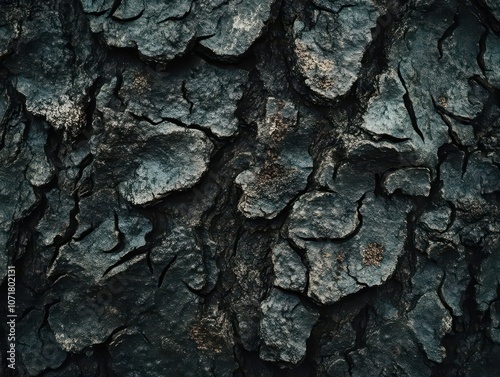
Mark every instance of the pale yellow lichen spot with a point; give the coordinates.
(373, 254)
(317, 70)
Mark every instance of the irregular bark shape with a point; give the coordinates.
(250, 188)
(228, 28)
(328, 55)
(274, 182)
(180, 164)
(340, 269)
(285, 326)
(289, 271)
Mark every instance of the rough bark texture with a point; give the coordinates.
(251, 187)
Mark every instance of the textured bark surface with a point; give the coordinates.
(251, 187)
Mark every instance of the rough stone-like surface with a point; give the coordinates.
(411, 181)
(369, 258)
(282, 166)
(180, 164)
(329, 48)
(289, 271)
(251, 188)
(388, 350)
(488, 275)
(286, 324)
(437, 320)
(144, 92)
(55, 69)
(323, 215)
(357, 175)
(162, 31)
(437, 219)
(481, 176)
(491, 57)
(56, 218)
(387, 114)
(38, 349)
